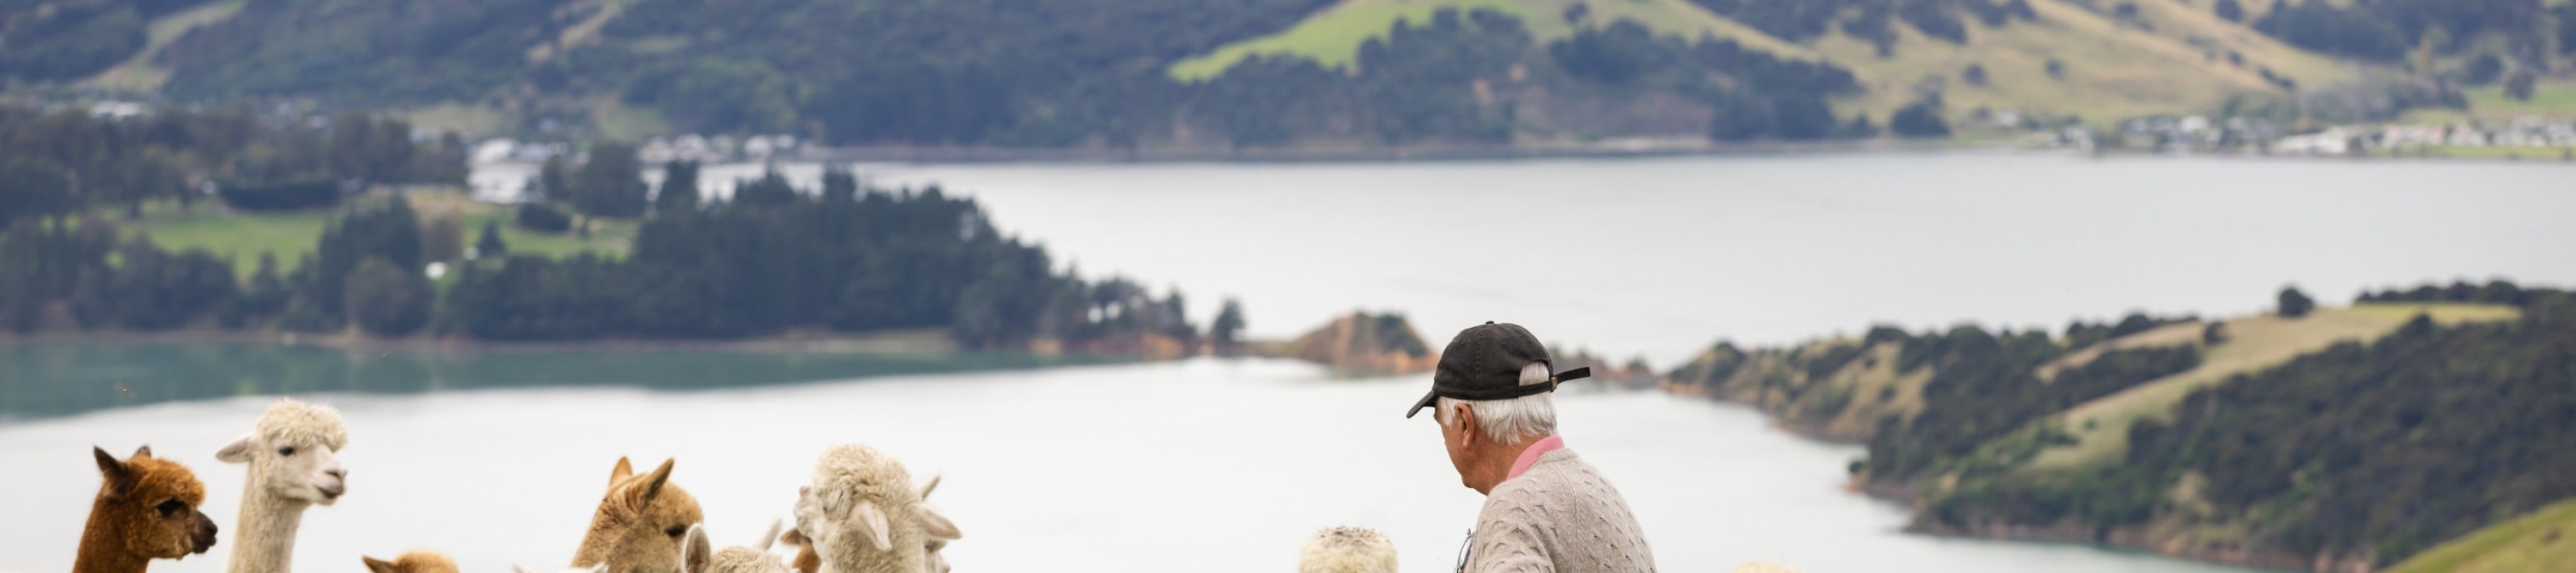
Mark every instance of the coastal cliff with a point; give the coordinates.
(2339, 440)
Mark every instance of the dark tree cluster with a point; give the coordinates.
(56, 275)
(1871, 19)
(1754, 96)
(2493, 292)
(2386, 29)
(2080, 334)
(840, 259)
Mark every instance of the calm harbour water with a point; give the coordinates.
(1227, 464)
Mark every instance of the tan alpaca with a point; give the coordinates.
(640, 522)
(414, 561)
(293, 454)
(146, 509)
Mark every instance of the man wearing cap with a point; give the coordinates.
(1545, 509)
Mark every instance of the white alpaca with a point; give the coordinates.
(698, 555)
(1347, 550)
(861, 514)
(293, 453)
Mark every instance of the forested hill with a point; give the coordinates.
(2351, 438)
(1251, 73)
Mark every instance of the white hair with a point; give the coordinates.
(1510, 420)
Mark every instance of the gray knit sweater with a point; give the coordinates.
(1561, 516)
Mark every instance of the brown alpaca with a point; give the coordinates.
(640, 522)
(415, 561)
(806, 561)
(146, 509)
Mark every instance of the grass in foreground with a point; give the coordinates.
(2538, 542)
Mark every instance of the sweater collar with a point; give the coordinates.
(1529, 456)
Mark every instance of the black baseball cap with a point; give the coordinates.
(1484, 363)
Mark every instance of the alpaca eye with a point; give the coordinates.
(170, 508)
(676, 531)
(286, 451)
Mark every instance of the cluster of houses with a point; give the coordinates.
(2522, 132)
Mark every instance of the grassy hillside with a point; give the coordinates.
(2168, 57)
(140, 73)
(1333, 35)
(2540, 542)
(243, 236)
(2100, 427)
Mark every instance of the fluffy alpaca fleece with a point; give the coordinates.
(861, 514)
(414, 561)
(293, 453)
(1347, 550)
(698, 555)
(1760, 567)
(640, 522)
(146, 509)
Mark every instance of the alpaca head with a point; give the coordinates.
(699, 555)
(863, 501)
(415, 561)
(149, 506)
(643, 518)
(294, 452)
(1347, 550)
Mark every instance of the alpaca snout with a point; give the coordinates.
(333, 491)
(203, 536)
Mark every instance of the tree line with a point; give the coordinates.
(770, 259)
(66, 162)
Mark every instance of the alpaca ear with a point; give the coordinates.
(621, 472)
(792, 537)
(143, 452)
(379, 565)
(929, 485)
(937, 525)
(872, 523)
(600, 568)
(770, 536)
(696, 552)
(661, 475)
(521, 568)
(120, 479)
(237, 452)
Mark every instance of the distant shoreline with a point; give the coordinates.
(1625, 149)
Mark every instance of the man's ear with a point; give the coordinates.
(237, 452)
(1466, 419)
(120, 479)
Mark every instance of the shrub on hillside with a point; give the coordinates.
(288, 196)
(542, 218)
(2295, 304)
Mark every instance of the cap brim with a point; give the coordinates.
(1428, 398)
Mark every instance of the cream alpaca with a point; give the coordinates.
(293, 454)
(861, 514)
(146, 509)
(1347, 550)
(698, 555)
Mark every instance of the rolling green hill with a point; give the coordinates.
(2540, 542)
